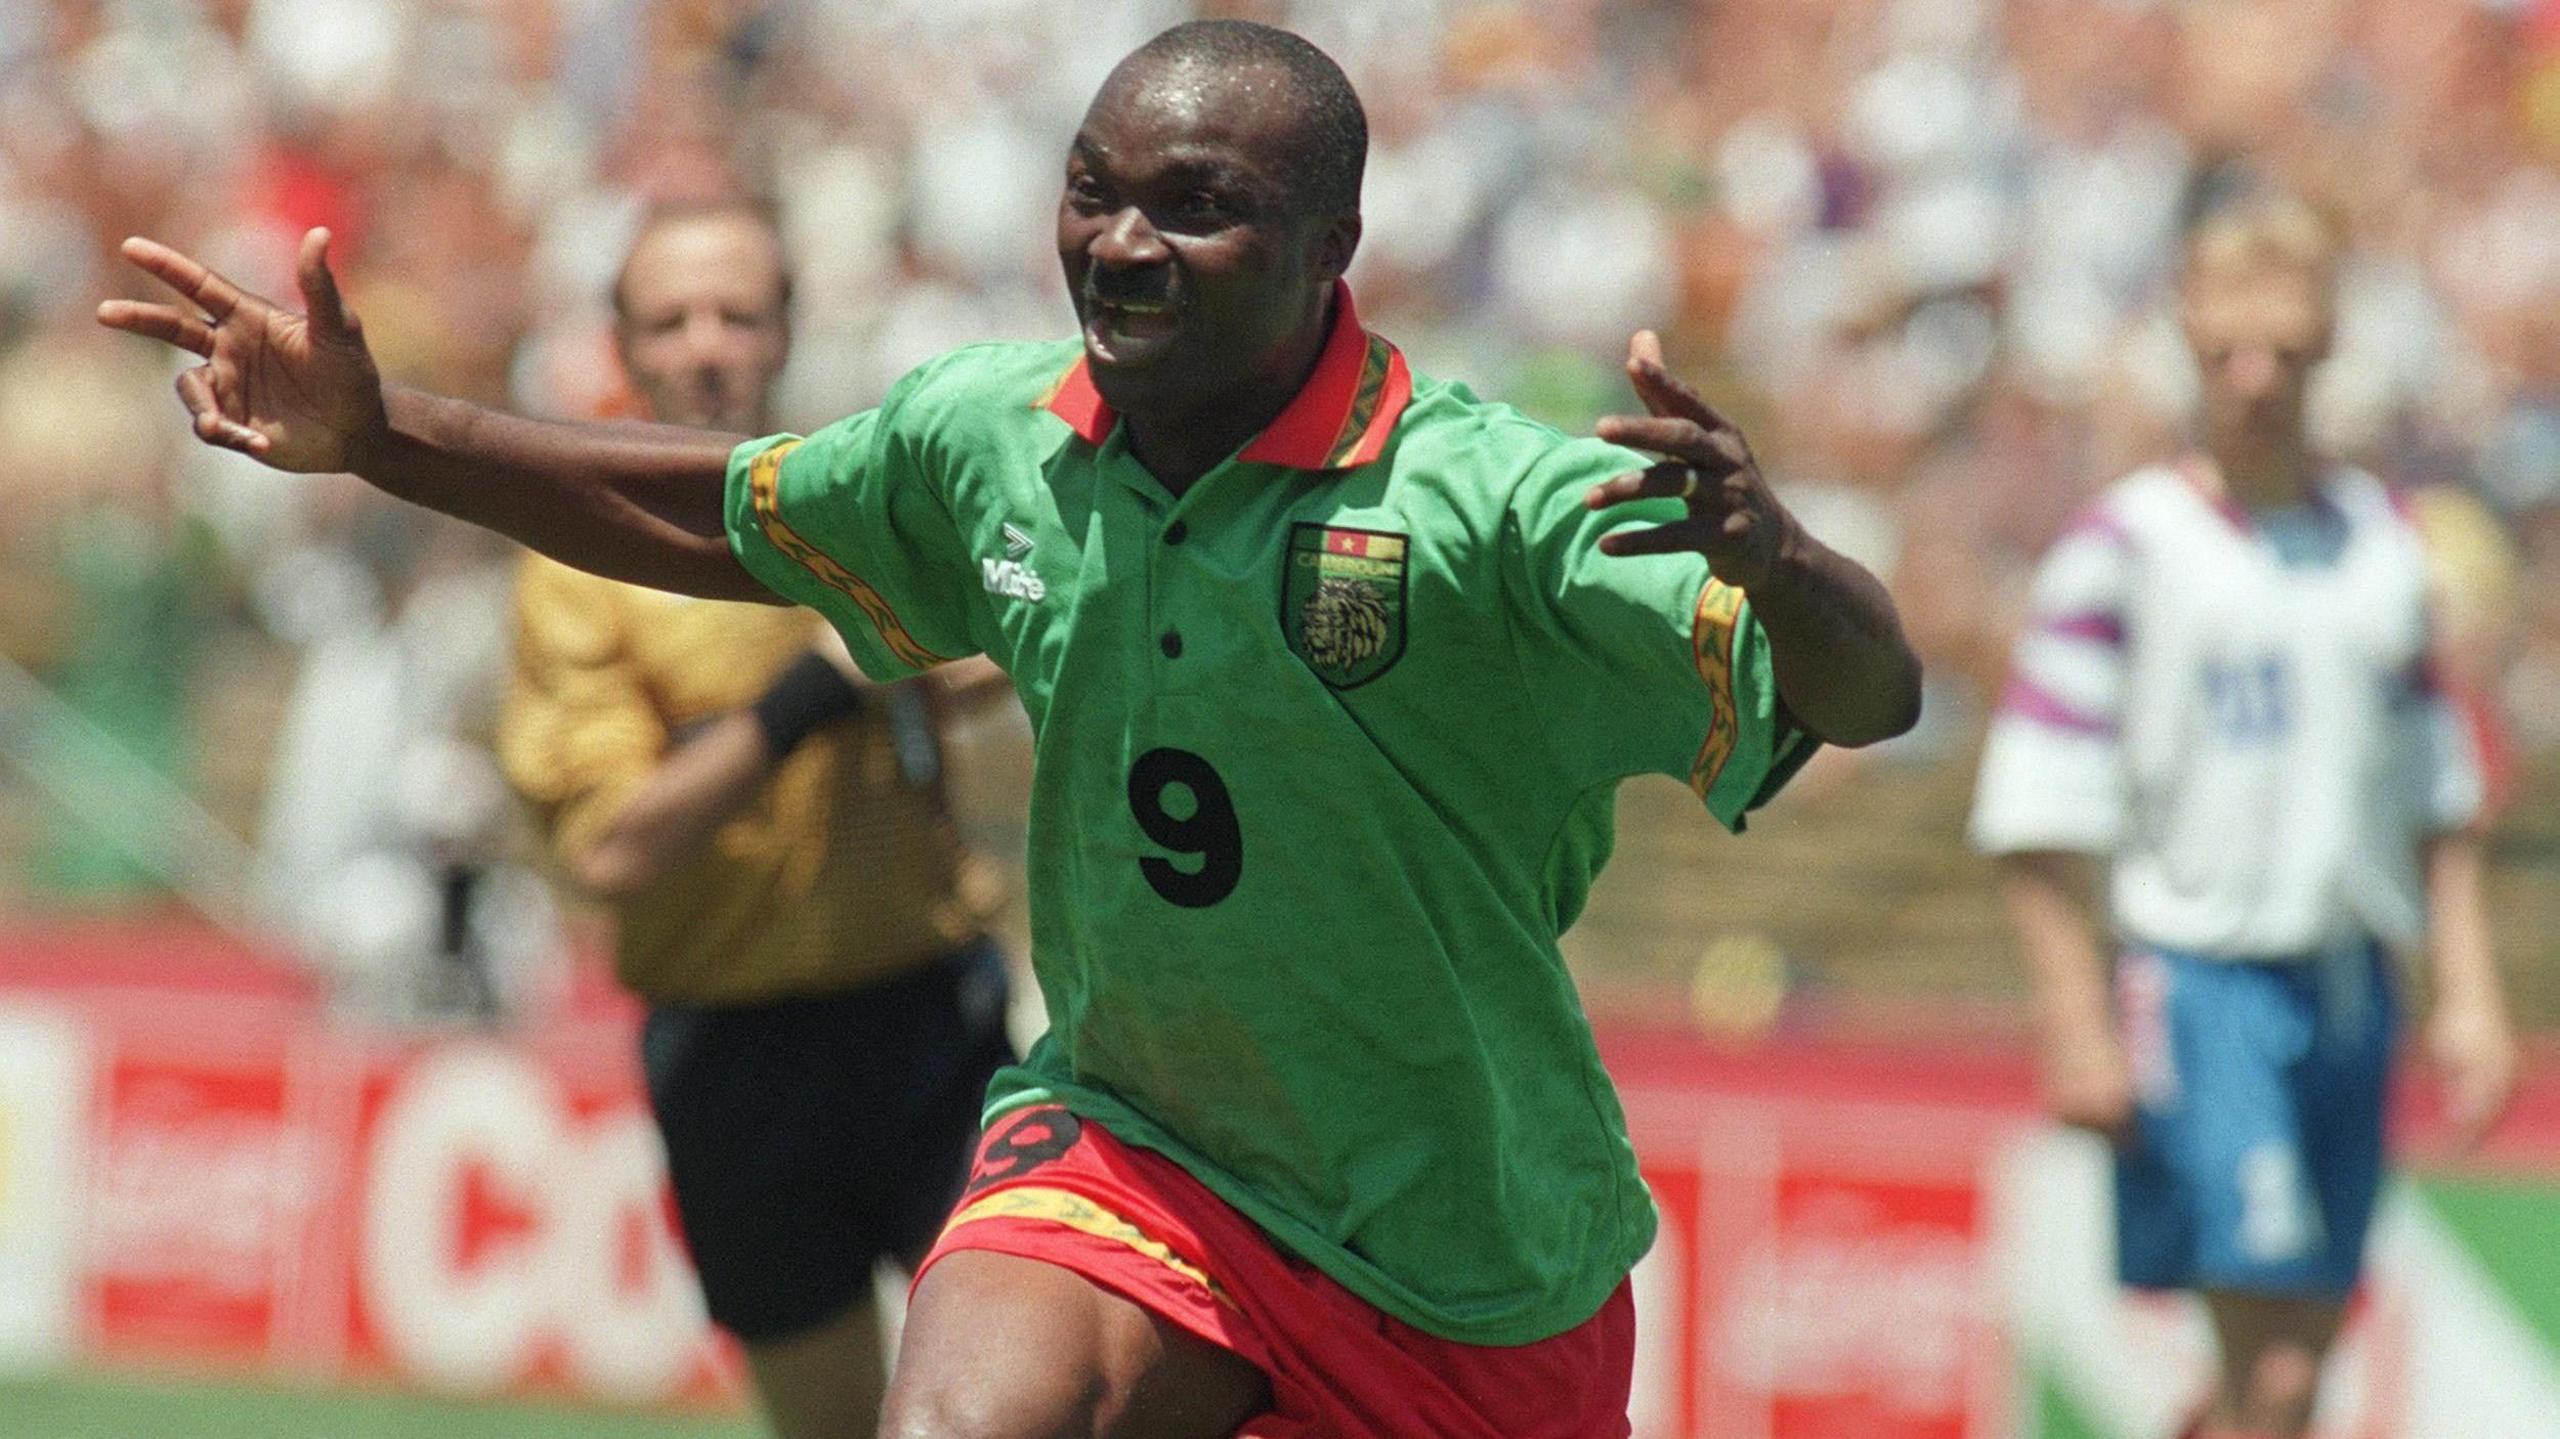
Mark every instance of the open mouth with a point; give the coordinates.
(1128, 332)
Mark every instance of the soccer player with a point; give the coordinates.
(789, 891)
(1334, 671)
(2225, 695)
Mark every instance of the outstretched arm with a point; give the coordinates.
(1842, 664)
(640, 503)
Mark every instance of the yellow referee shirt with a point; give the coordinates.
(846, 868)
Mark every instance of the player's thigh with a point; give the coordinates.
(1000, 1347)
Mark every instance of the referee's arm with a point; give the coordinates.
(708, 777)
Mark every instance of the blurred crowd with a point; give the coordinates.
(1922, 249)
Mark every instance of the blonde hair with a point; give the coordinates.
(2261, 233)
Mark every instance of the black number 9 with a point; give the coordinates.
(1210, 831)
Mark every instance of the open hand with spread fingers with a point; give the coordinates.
(298, 392)
(1844, 670)
(1733, 519)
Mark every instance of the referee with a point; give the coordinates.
(792, 899)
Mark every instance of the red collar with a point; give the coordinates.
(1340, 420)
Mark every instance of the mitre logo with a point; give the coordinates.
(1013, 576)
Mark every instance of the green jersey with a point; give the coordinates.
(1326, 754)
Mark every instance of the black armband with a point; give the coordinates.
(807, 697)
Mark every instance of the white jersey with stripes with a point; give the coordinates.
(2238, 711)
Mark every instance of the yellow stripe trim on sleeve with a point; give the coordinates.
(1711, 639)
(1051, 1205)
(764, 480)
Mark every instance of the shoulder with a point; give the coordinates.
(543, 584)
(1477, 454)
(2150, 507)
(2091, 563)
(979, 392)
(562, 613)
(2154, 502)
(993, 370)
(2370, 505)
(2387, 530)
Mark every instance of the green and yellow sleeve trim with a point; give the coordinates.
(764, 480)
(1711, 637)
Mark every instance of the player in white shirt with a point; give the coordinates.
(2224, 695)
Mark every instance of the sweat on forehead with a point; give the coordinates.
(1252, 86)
(1236, 103)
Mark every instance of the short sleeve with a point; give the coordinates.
(577, 732)
(851, 523)
(2435, 755)
(2052, 771)
(1647, 664)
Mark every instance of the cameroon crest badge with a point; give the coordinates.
(1342, 602)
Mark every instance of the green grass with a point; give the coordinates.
(91, 1406)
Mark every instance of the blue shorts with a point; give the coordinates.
(2257, 1149)
(808, 1138)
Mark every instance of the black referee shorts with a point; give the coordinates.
(809, 1138)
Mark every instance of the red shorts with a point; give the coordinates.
(1052, 1187)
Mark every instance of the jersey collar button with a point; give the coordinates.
(1172, 644)
(1175, 533)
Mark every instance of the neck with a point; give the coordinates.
(2262, 476)
(1179, 445)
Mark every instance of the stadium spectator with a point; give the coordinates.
(109, 590)
(789, 892)
(2229, 697)
(388, 853)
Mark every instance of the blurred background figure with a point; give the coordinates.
(788, 887)
(389, 850)
(2230, 700)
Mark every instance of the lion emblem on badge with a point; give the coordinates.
(1343, 623)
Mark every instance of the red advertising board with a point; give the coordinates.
(269, 1187)
(513, 1232)
(200, 1202)
(262, 1186)
(1821, 1269)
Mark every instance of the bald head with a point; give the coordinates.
(1297, 100)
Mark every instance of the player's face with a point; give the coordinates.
(1188, 254)
(2258, 333)
(703, 331)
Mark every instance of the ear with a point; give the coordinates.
(1335, 244)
